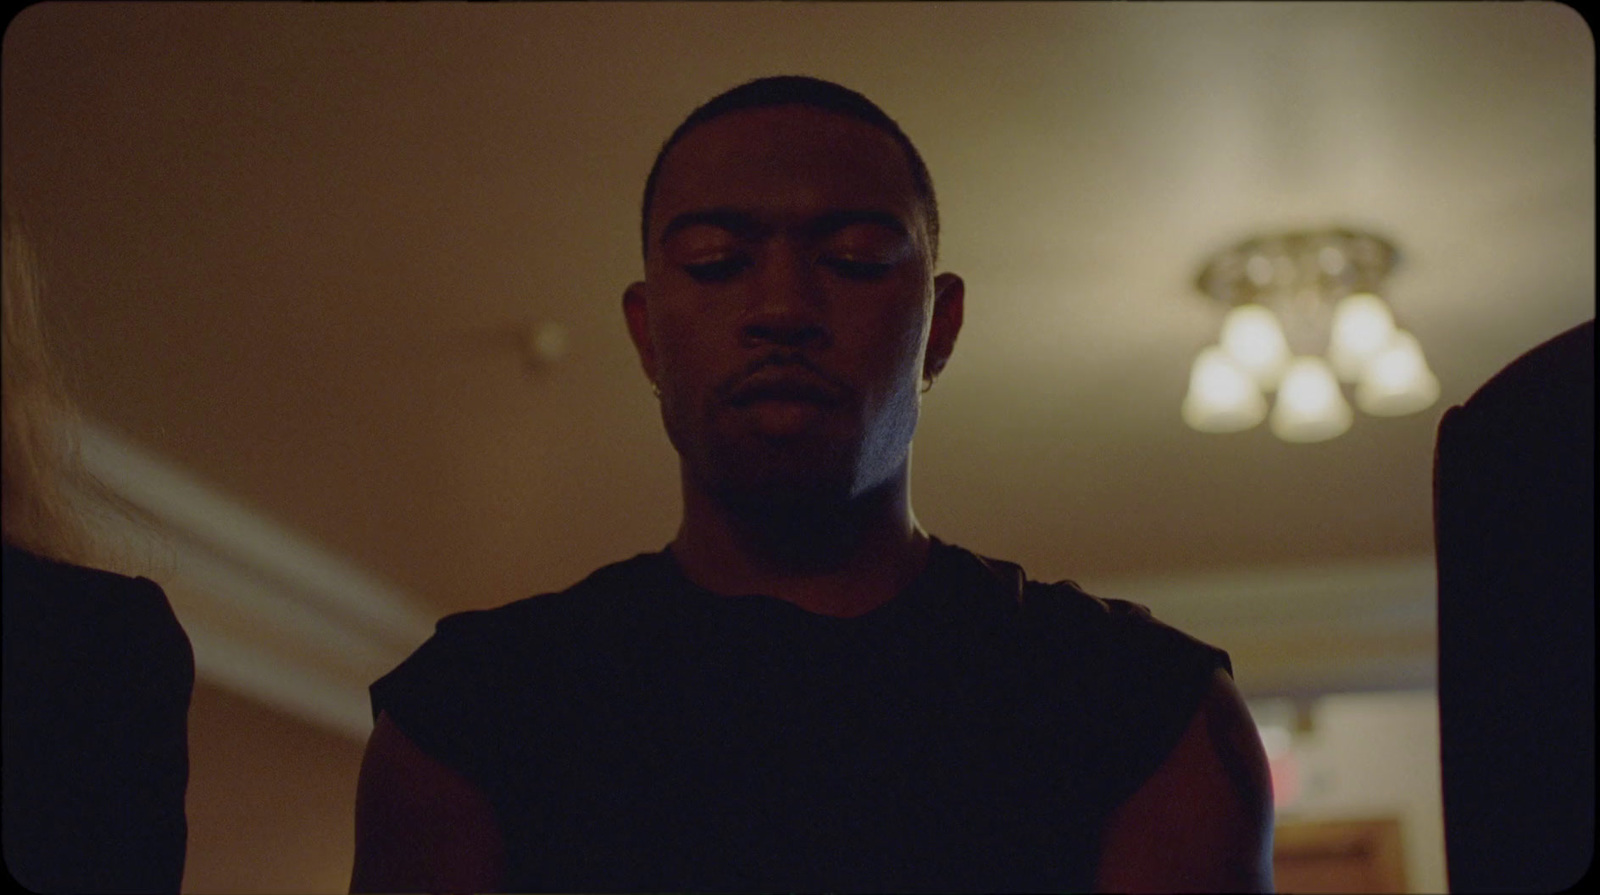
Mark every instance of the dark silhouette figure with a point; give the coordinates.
(98, 671)
(1514, 520)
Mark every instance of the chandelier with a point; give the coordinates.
(1306, 318)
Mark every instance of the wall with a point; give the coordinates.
(1372, 755)
(271, 800)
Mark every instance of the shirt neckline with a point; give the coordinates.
(919, 593)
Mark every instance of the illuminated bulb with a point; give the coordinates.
(1362, 326)
(1252, 337)
(1397, 381)
(1222, 397)
(1309, 406)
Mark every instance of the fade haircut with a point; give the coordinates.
(787, 90)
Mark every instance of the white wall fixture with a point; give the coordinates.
(544, 344)
(1305, 313)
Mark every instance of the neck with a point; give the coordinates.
(833, 558)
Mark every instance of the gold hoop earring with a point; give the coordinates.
(655, 390)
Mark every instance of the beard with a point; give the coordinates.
(801, 497)
(798, 504)
(744, 470)
(829, 466)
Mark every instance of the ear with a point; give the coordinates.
(637, 313)
(949, 294)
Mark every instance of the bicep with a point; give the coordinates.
(1203, 820)
(420, 826)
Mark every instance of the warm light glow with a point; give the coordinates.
(1260, 269)
(1222, 397)
(1285, 775)
(1362, 326)
(1309, 406)
(1276, 739)
(1323, 287)
(1331, 260)
(1253, 338)
(1397, 381)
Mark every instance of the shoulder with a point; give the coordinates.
(73, 585)
(123, 618)
(1124, 636)
(1056, 601)
(1063, 615)
(612, 593)
(453, 696)
(1129, 683)
(91, 650)
(471, 653)
(1546, 386)
(1562, 364)
(1202, 821)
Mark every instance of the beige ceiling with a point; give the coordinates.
(290, 247)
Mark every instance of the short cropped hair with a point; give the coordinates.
(784, 90)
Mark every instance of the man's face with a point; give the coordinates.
(788, 304)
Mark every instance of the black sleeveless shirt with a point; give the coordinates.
(636, 732)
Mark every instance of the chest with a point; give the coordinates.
(810, 762)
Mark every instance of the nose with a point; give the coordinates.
(787, 303)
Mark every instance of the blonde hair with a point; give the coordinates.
(41, 470)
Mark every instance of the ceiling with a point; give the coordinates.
(290, 247)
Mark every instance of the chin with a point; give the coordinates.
(794, 477)
(796, 488)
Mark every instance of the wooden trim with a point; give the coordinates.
(1351, 856)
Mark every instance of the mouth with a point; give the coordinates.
(784, 404)
(783, 419)
(787, 389)
(778, 395)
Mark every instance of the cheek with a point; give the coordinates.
(691, 362)
(678, 342)
(897, 339)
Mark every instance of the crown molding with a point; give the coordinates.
(1306, 630)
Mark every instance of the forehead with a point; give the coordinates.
(786, 162)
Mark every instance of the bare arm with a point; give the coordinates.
(1203, 821)
(420, 826)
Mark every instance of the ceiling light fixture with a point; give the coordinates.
(1305, 314)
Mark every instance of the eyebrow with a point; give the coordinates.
(741, 223)
(834, 221)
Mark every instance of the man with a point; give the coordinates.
(805, 691)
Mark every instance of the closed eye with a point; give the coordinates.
(717, 271)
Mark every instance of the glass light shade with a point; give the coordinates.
(1222, 397)
(1253, 338)
(1309, 406)
(1362, 326)
(1397, 381)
